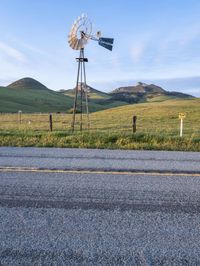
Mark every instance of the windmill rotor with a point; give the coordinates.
(81, 33)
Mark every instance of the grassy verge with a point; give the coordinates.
(99, 140)
(157, 128)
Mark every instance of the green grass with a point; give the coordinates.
(99, 140)
(157, 128)
(156, 117)
(160, 98)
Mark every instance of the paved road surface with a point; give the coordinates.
(98, 207)
(100, 159)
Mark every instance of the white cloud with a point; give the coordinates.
(28, 46)
(178, 45)
(12, 52)
(137, 51)
(139, 45)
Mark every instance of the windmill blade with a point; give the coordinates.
(71, 41)
(76, 44)
(73, 44)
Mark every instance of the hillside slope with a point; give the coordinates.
(28, 84)
(98, 100)
(28, 95)
(92, 93)
(152, 117)
(143, 92)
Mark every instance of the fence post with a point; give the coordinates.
(50, 122)
(19, 116)
(181, 117)
(181, 127)
(134, 123)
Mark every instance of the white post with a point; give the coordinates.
(19, 116)
(181, 128)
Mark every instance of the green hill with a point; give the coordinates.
(28, 84)
(29, 95)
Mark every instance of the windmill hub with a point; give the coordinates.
(80, 34)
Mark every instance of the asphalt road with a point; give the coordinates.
(106, 160)
(99, 207)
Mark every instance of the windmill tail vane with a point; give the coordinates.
(106, 43)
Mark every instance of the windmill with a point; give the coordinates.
(80, 34)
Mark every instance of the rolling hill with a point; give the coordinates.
(29, 95)
(27, 83)
(98, 100)
(140, 93)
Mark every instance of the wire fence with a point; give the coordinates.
(167, 125)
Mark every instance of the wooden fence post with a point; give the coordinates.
(50, 122)
(134, 123)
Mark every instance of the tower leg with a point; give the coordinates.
(81, 83)
(86, 94)
(76, 96)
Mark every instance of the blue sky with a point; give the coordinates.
(155, 41)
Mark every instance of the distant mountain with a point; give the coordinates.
(140, 88)
(143, 92)
(92, 93)
(98, 100)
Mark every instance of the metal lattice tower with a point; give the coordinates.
(80, 34)
(81, 92)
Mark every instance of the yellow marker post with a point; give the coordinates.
(181, 116)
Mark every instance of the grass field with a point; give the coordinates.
(157, 128)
